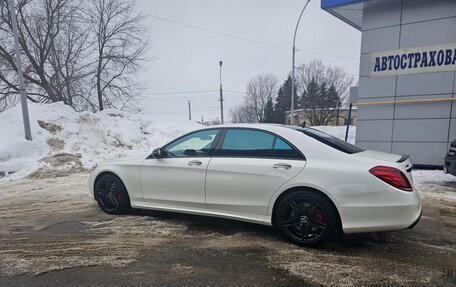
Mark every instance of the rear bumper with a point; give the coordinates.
(416, 221)
(379, 218)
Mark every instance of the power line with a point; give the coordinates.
(183, 92)
(192, 92)
(185, 112)
(327, 55)
(235, 92)
(178, 95)
(219, 33)
(249, 40)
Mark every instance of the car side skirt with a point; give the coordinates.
(263, 220)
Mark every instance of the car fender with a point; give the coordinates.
(128, 174)
(296, 184)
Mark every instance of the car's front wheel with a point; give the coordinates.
(306, 218)
(111, 194)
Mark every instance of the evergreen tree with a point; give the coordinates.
(310, 102)
(269, 111)
(283, 101)
(333, 97)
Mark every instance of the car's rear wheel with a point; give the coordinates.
(306, 218)
(111, 194)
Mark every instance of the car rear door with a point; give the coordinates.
(248, 166)
(177, 179)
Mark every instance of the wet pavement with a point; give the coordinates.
(52, 234)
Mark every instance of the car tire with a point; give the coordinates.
(111, 194)
(306, 218)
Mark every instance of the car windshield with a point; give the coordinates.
(331, 141)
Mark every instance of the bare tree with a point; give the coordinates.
(259, 90)
(214, 122)
(42, 28)
(121, 45)
(75, 51)
(70, 62)
(322, 90)
(242, 113)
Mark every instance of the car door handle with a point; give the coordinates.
(195, 162)
(282, 165)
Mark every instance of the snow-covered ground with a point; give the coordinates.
(435, 184)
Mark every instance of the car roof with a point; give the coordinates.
(268, 127)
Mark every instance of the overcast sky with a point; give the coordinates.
(186, 58)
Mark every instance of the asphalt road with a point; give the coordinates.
(52, 234)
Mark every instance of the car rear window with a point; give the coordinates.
(331, 141)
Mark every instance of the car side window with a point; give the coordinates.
(284, 150)
(247, 143)
(192, 145)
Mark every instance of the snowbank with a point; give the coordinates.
(67, 141)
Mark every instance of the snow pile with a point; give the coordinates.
(65, 141)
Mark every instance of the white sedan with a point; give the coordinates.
(308, 184)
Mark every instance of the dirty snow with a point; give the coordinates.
(51, 225)
(65, 141)
(435, 184)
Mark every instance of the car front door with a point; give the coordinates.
(177, 177)
(247, 168)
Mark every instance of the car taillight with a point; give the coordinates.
(392, 176)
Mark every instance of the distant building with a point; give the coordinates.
(300, 117)
(406, 96)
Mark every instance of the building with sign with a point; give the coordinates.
(407, 84)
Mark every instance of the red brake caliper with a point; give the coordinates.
(318, 215)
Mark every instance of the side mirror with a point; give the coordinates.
(157, 153)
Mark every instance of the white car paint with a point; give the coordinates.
(247, 188)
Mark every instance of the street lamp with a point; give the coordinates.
(25, 114)
(221, 93)
(293, 66)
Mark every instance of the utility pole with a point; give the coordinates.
(293, 66)
(221, 93)
(337, 112)
(25, 113)
(189, 111)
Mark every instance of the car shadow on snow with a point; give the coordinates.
(207, 224)
(197, 224)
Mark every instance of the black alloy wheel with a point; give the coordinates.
(306, 218)
(111, 194)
